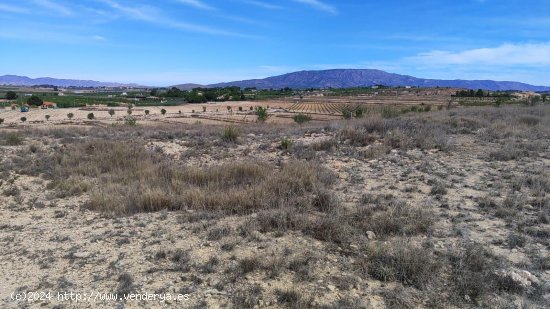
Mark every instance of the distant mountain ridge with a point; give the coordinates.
(348, 78)
(189, 86)
(335, 78)
(15, 80)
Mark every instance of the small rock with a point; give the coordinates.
(371, 235)
(331, 287)
(81, 254)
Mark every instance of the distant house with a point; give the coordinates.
(47, 105)
(61, 94)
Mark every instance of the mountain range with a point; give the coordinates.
(348, 78)
(15, 80)
(336, 78)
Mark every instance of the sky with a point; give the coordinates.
(167, 42)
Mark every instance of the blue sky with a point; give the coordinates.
(166, 42)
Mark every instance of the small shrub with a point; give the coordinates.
(163, 111)
(388, 112)
(90, 116)
(325, 201)
(472, 271)
(301, 118)
(247, 298)
(230, 134)
(23, 119)
(359, 112)
(401, 261)
(13, 139)
(438, 189)
(218, 233)
(147, 112)
(70, 115)
(292, 298)
(181, 259)
(210, 266)
(129, 120)
(347, 113)
(262, 113)
(248, 265)
(1, 120)
(47, 117)
(286, 143)
(125, 284)
(111, 112)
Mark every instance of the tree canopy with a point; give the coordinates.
(34, 100)
(11, 95)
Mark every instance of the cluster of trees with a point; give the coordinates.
(11, 95)
(202, 95)
(480, 93)
(34, 100)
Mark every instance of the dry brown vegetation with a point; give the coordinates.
(442, 209)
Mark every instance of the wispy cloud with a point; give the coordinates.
(54, 6)
(197, 4)
(506, 54)
(12, 9)
(153, 15)
(319, 6)
(264, 5)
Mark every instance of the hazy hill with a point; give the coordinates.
(14, 80)
(188, 86)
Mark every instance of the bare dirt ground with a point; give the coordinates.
(214, 113)
(446, 209)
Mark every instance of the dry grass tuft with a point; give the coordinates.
(129, 179)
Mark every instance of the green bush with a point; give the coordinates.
(230, 134)
(91, 116)
(11, 95)
(388, 112)
(262, 114)
(23, 119)
(347, 114)
(34, 100)
(360, 111)
(131, 121)
(13, 139)
(163, 111)
(286, 143)
(301, 118)
(70, 115)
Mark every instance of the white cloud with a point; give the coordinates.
(12, 9)
(197, 4)
(506, 54)
(319, 6)
(154, 16)
(264, 5)
(54, 6)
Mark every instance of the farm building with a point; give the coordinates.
(47, 105)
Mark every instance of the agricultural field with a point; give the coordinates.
(446, 208)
